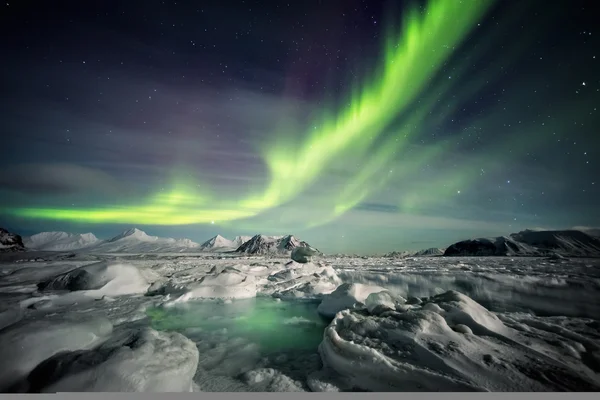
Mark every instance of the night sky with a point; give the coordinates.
(358, 126)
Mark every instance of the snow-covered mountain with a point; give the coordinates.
(261, 244)
(218, 242)
(569, 243)
(431, 252)
(10, 241)
(60, 241)
(398, 254)
(138, 241)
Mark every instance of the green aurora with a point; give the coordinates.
(359, 131)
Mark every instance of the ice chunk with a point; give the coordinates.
(346, 296)
(303, 254)
(226, 285)
(380, 300)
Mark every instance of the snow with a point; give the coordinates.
(205, 321)
(458, 345)
(101, 278)
(225, 285)
(25, 344)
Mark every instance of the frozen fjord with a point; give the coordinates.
(84, 321)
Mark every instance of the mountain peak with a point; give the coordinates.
(217, 242)
(131, 233)
(262, 244)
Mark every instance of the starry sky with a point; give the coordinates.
(360, 126)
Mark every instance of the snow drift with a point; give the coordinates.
(25, 344)
(451, 343)
(102, 278)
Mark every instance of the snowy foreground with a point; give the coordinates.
(219, 322)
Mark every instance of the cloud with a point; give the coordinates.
(57, 179)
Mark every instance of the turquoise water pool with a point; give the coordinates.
(274, 326)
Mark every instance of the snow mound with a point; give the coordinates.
(132, 361)
(60, 241)
(102, 278)
(228, 284)
(451, 343)
(346, 296)
(217, 242)
(10, 241)
(271, 380)
(261, 244)
(26, 343)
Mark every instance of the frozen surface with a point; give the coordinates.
(243, 322)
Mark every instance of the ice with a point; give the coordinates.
(382, 300)
(260, 322)
(130, 361)
(303, 254)
(26, 343)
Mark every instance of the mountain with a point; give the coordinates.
(431, 252)
(217, 242)
(261, 244)
(10, 242)
(60, 241)
(569, 243)
(397, 254)
(138, 241)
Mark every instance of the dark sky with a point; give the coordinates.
(191, 118)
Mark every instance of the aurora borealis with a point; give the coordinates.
(362, 125)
